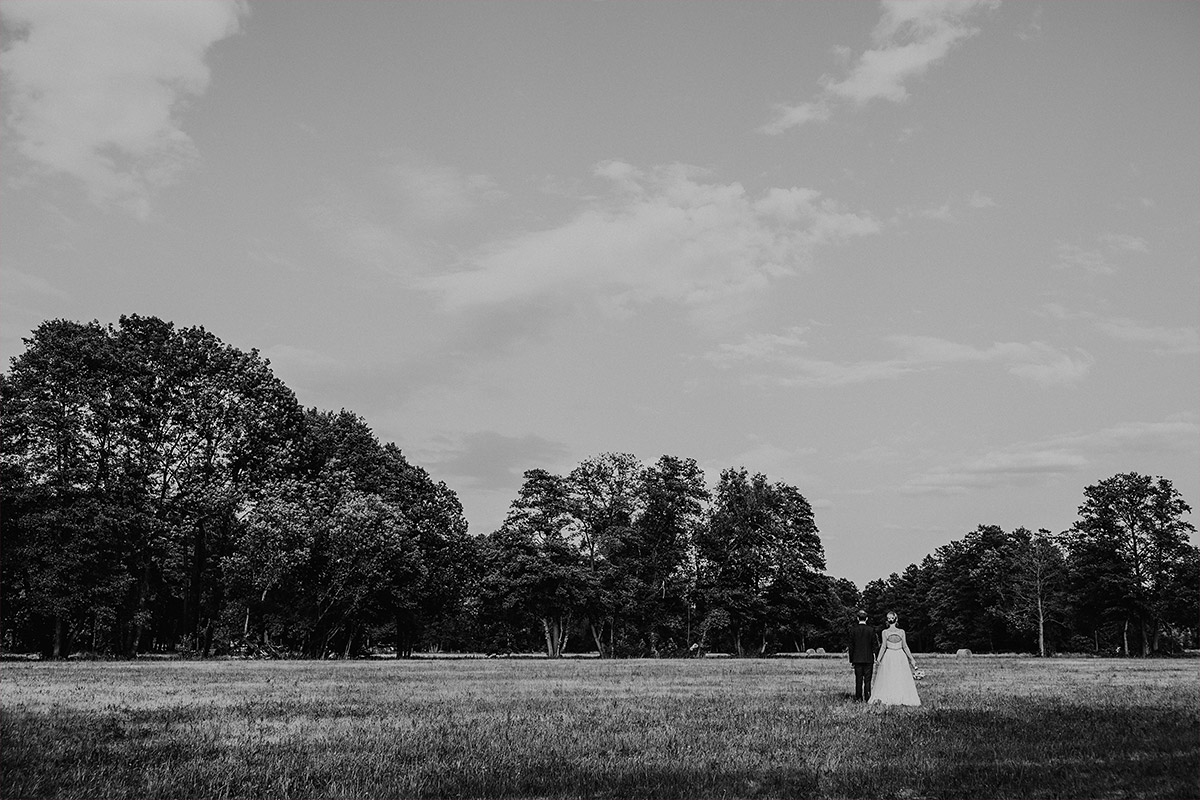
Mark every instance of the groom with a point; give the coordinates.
(863, 645)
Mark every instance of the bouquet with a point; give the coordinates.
(918, 674)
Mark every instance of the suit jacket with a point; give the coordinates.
(864, 643)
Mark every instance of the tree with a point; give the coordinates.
(759, 548)
(658, 555)
(1131, 539)
(972, 595)
(532, 566)
(1040, 584)
(605, 494)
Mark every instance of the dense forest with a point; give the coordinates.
(163, 491)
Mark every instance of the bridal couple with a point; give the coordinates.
(892, 666)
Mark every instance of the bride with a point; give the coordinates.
(894, 684)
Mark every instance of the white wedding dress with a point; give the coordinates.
(894, 684)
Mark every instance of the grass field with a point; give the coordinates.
(989, 727)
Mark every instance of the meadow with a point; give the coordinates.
(707, 728)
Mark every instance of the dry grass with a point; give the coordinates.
(587, 728)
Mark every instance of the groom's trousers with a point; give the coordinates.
(862, 680)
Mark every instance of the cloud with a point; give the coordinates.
(1164, 341)
(1123, 241)
(391, 218)
(1041, 462)
(784, 356)
(1033, 30)
(490, 460)
(910, 37)
(663, 234)
(432, 193)
(980, 200)
(788, 116)
(1074, 257)
(94, 89)
(349, 228)
(1183, 340)
(1097, 261)
(941, 213)
(791, 466)
(32, 283)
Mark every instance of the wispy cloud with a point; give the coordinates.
(1041, 462)
(1098, 260)
(1070, 256)
(786, 363)
(1182, 340)
(32, 283)
(789, 116)
(909, 38)
(491, 460)
(394, 218)
(359, 235)
(1123, 241)
(666, 233)
(1033, 30)
(95, 89)
(1164, 341)
(980, 200)
(433, 193)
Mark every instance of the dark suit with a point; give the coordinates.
(864, 644)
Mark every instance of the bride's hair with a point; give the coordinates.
(891, 616)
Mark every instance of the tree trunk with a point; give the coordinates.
(551, 627)
(58, 637)
(598, 636)
(1041, 627)
(195, 584)
(1145, 639)
(1125, 638)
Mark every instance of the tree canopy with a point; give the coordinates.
(161, 490)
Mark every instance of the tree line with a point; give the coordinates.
(163, 491)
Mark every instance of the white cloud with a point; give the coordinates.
(1165, 341)
(788, 365)
(1126, 242)
(32, 283)
(1072, 256)
(491, 460)
(94, 89)
(1097, 260)
(355, 233)
(911, 37)
(788, 116)
(434, 193)
(1040, 462)
(777, 463)
(980, 200)
(1183, 340)
(941, 213)
(659, 234)
(1033, 30)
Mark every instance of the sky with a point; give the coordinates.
(935, 263)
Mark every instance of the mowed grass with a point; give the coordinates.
(713, 728)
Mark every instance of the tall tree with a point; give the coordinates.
(1040, 584)
(1131, 537)
(533, 566)
(761, 538)
(606, 497)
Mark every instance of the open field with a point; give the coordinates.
(990, 727)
